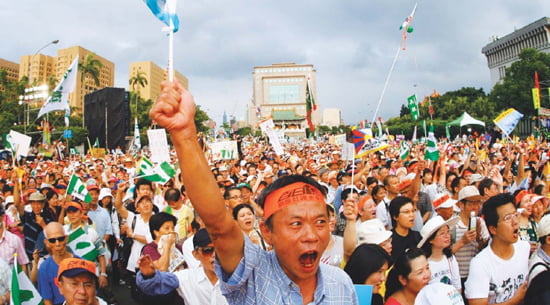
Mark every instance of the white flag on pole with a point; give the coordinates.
(59, 99)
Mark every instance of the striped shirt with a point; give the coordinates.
(11, 244)
(465, 254)
(259, 279)
(5, 277)
(32, 230)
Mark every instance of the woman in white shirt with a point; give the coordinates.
(436, 244)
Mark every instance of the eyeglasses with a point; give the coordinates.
(54, 239)
(207, 250)
(508, 218)
(235, 197)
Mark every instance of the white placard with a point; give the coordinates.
(226, 150)
(348, 151)
(22, 143)
(266, 125)
(158, 145)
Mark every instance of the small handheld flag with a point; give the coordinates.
(165, 11)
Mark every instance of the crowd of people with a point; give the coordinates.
(305, 227)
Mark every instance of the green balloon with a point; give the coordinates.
(410, 29)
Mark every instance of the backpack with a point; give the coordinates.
(538, 292)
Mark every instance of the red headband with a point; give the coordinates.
(439, 201)
(291, 194)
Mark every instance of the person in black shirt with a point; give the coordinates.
(402, 212)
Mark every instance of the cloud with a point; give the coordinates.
(351, 44)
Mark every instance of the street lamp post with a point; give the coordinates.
(36, 53)
(29, 76)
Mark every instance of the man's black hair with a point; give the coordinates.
(226, 194)
(140, 182)
(172, 194)
(485, 184)
(489, 210)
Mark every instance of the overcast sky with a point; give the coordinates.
(351, 44)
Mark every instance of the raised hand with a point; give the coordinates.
(175, 109)
(145, 264)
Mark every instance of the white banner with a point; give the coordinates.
(226, 150)
(158, 145)
(22, 143)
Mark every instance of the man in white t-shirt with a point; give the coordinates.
(498, 274)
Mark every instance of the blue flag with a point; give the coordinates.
(508, 120)
(165, 10)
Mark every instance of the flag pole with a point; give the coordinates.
(401, 47)
(388, 77)
(171, 54)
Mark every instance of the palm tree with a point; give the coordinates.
(139, 80)
(90, 67)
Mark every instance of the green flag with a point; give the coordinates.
(160, 173)
(82, 245)
(8, 143)
(22, 290)
(404, 151)
(77, 188)
(432, 152)
(413, 107)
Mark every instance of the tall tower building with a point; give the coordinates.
(154, 75)
(12, 70)
(39, 68)
(106, 74)
(280, 92)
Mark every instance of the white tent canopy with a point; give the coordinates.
(465, 119)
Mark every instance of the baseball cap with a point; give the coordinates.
(105, 192)
(36, 196)
(201, 238)
(543, 227)
(438, 294)
(469, 192)
(71, 267)
(475, 178)
(434, 224)
(91, 187)
(443, 200)
(244, 184)
(372, 231)
(73, 206)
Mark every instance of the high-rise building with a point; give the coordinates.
(154, 76)
(332, 117)
(502, 52)
(106, 75)
(280, 93)
(12, 70)
(41, 68)
(37, 67)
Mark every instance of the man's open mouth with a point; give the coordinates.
(308, 259)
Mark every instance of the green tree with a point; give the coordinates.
(137, 81)
(90, 67)
(200, 118)
(515, 90)
(323, 129)
(404, 110)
